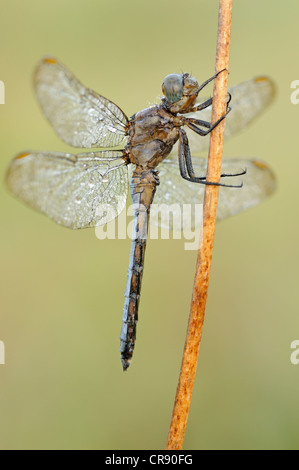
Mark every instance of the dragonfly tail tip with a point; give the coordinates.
(125, 364)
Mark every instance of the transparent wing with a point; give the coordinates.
(179, 197)
(81, 117)
(249, 99)
(76, 191)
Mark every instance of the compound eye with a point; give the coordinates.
(172, 87)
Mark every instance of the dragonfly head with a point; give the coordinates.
(172, 87)
(180, 92)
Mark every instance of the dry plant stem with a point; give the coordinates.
(197, 312)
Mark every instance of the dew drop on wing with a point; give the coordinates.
(93, 113)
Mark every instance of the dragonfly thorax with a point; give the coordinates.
(152, 133)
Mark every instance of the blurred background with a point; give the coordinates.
(62, 292)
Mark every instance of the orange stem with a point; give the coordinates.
(200, 291)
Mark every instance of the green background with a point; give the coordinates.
(62, 292)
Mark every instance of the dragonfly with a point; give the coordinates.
(91, 188)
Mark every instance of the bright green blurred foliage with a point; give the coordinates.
(62, 292)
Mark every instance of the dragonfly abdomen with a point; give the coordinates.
(143, 187)
(132, 297)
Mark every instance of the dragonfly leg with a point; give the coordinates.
(208, 103)
(201, 106)
(199, 122)
(185, 162)
(193, 123)
(204, 84)
(186, 167)
(227, 175)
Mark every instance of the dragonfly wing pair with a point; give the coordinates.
(76, 191)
